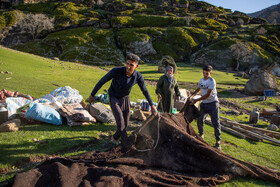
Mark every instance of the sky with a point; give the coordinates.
(246, 6)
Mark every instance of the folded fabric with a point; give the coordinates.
(40, 112)
(79, 117)
(76, 114)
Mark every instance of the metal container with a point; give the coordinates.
(254, 116)
(3, 113)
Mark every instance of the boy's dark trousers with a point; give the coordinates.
(213, 110)
(121, 111)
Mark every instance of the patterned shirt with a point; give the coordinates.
(204, 85)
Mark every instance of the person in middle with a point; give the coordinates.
(167, 88)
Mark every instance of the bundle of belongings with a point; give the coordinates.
(76, 114)
(63, 101)
(164, 151)
(102, 113)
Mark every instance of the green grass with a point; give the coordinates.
(39, 76)
(188, 73)
(261, 153)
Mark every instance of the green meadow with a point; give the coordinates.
(37, 76)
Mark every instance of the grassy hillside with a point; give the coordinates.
(38, 76)
(190, 31)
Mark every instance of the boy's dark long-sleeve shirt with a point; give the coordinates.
(121, 84)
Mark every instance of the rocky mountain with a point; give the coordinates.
(271, 14)
(103, 31)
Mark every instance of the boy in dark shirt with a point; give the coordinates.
(123, 78)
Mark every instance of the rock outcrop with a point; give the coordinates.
(166, 61)
(28, 28)
(143, 48)
(231, 53)
(260, 81)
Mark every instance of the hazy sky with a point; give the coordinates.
(246, 6)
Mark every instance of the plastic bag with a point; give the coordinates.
(43, 113)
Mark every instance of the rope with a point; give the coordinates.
(158, 134)
(178, 124)
(156, 144)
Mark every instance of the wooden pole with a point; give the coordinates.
(267, 132)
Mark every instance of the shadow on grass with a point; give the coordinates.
(65, 127)
(253, 101)
(53, 143)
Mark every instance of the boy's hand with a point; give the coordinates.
(91, 99)
(193, 101)
(159, 97)
(154, 110)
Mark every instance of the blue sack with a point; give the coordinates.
(43, 113)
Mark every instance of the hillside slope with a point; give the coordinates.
(37, 76)
(190, 31)
(271, 14)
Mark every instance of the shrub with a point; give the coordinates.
(200, 35)
(122, 2)
(223, 43)
(2, 22)
(144, 20)
(210, 24)
(181, 38)
(123, 20)
(183, 1)
(66, 13)
(164, 48)
(11, 17)
(35, 24)
(42, 7)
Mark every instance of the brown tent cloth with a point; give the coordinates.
(164, 151)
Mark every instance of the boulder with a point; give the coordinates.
(10, 126)
(260, 81)
(166, 61)
(55, 58)
(275, 119)
(274, 69)
(142, 48)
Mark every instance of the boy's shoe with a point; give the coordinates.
(202, 136)
(114, 141)
(218, 146)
